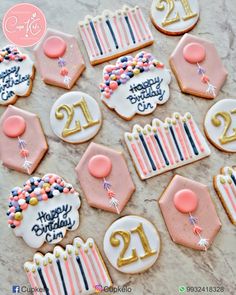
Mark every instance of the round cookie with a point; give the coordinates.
(220, 125)
(75, 117)
(132, 244)
(175, 17)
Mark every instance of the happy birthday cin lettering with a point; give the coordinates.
(142, 92)
(10, 78)
(51, 222)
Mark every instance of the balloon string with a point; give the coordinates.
(111, 195)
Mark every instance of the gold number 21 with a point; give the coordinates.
(126, 235)
(69, 109)
(224, 138)
(171, 5)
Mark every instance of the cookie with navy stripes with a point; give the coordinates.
(163, 146)
(75, 269)
(112, 34)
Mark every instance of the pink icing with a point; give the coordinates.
(14, 126)
(54, 47)
(185, 201)
(99, 166)
(194, 53)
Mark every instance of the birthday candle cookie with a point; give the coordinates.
(104, 178)
(113, 34)
(132, 244)
(163, 146)
(77, 269)
(220, 125)
(189, 213)
(16, 74)
(43, 210)
(22, 144)
(75, 117)
(175, 17)
(225, 186)
(198, 67)
(58, 59)
(135, 85)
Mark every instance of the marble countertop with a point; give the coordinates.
(176, 265)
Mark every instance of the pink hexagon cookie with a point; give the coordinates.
(22, 144)
(189, 213)
(197, 67)
(58, 59)
(104, 178)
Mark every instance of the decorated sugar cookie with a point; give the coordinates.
(135, 85)
(16, 74)
(104, 178)
(220, 125)
(163, 146)
(75, 117)
(132, 244)
(43, 210)
(113, 34)
(59, 59)
(198, 67)
(189, 213)
(77, 269)
(174, 17)
(22, 144)
(225, 186)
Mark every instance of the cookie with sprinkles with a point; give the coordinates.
(16, 74)
(135, 85)
(77, 269)
(43, 210)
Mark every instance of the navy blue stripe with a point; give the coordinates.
(130, 29)
(112, 33)
(61, 275)
(96, 37)
(233, 178)
(147, 152)
(176, 143)
(43, 281)
(161, 149)
(82, 273)
(190, 139)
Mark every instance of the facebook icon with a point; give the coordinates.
(15, 289)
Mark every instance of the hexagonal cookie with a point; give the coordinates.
(23, 143)
(104, 178)
(189, 213)
(197, 67)
(58, 59)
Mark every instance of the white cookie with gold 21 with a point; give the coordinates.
(175, 17)
(220, 125)
(132, 244)
(75, 117)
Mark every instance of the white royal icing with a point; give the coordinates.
(127, 224)
(15, 78)
(227, 190)
(166, 150)
(160, 9)
(70, 99)
(49, 220)
(116, 32)
(140, 94)
(228, 106)
(77, 269)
